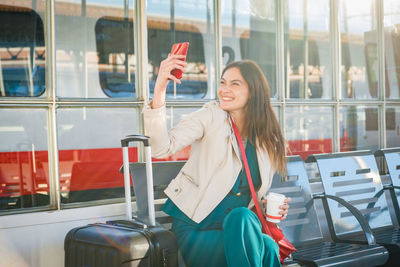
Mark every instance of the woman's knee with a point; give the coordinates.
(240, 216)
(270, 245)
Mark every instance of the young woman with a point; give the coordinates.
(210, 198)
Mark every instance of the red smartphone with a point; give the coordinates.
(179, 49)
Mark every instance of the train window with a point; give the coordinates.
(309, 130)
(393, 126)
(22, 51)
(357, 133)
(94, 49)
(190, 21)
(90, 154)
(307, 49)
(115, 48)
(359, 64)
(24, 164)
(248, 26)
(392, 48)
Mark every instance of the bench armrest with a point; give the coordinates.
(355, 212)
(377, 196)
(394, 199)
(380, 193)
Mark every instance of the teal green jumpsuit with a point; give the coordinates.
(231, 234)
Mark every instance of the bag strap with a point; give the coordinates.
(248, 175)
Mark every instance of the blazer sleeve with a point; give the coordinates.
(165, 143)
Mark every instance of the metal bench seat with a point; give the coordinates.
(354, 178)
(301, 225)
(338, 254)
(387, 235)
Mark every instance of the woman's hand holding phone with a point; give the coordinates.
(169, 64)
(164, 75)
(179, 49)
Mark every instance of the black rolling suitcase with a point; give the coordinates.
(131, 242)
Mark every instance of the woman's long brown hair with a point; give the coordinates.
(260, 118)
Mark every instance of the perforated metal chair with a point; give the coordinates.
(354, 178)
(392, 170)
(302, 228)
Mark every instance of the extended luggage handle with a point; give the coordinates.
(149, 175)
(135, 137)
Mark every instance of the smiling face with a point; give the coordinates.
(233, 92)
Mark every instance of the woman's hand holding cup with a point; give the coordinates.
(276, 207)
(285, 208)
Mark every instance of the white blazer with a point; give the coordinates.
(214, 162)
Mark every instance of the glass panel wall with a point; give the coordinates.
(178, 21)
(358, 128)
(22, 49)
(359, 56)
(90, 153)
(94, 49)
(391, 23)
(24, 164)
(309, 130)
(248, 26)
(307, 49)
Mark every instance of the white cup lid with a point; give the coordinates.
(275, 196)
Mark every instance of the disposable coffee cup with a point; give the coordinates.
(274, 200)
